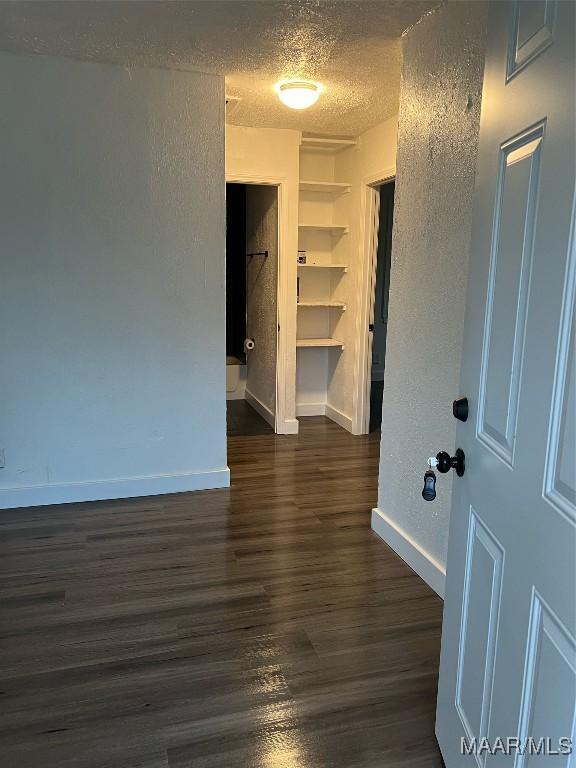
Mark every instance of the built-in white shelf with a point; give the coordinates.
(324, 266)
(320, 303)
(335, 229)
(302, 343)
(331, 187)
(325, 144)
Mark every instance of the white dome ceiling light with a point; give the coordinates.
(298, 94)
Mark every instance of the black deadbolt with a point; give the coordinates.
(460, 408)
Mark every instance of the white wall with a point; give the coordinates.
(373, 158)
(262, 153)
(437, 141)
(111, 281)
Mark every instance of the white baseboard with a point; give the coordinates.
(236, 394)
(310, 409)
(260, 408)
(121, 488)
(340, 418)
(288, 427)
(429, 569)
(323, 409)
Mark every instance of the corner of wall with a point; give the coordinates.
(421, 561)
(431, 236)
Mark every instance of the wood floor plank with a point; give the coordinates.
(260, 626)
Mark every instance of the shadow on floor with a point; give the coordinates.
(242, 420)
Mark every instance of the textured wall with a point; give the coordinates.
(437, 143)
(111, 280)
(262, 292)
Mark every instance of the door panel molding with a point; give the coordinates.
(478, 618)
(561, 433)
(511, 253)
(524, 48)
(548, 643)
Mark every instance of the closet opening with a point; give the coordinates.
(325, 281)
(379, 322)
(251, 308)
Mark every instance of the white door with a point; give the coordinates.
(508, 662)
(261, 298)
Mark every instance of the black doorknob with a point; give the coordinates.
(443, 462)
(429, 490)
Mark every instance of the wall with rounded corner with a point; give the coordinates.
(440, 95)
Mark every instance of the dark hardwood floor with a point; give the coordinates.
(261, 626)
(242, 420)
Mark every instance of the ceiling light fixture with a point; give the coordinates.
(298, 94)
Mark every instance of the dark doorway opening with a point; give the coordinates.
(251, 307)
(235, 271)
(381, 292)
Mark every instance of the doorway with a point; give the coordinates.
(251, 307)
(379, 323)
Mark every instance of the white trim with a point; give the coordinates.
(340, 418)
(421, 561)
(310, 409)
(323, 409)
(119, 488)
(260, 407)
(236, 394)
(288, 427)
(369, 210)
(286, 299)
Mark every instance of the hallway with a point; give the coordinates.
(261, 626)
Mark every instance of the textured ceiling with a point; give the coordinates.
(352, 47)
